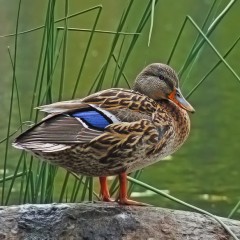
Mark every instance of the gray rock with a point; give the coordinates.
(108, 221)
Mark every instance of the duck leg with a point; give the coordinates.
(123, 192)
(104, 189)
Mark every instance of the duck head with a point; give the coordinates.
(159, 81)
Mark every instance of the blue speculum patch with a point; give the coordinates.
(93, 118)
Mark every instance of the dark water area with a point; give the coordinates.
(206, 170)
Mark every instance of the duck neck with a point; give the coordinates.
(180, 120)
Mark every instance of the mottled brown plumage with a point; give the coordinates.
(129, 129)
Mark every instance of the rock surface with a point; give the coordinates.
(108, 221)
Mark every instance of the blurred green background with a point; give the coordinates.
(206, 170)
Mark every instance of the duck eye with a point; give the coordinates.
(178, 94)
(161, 77)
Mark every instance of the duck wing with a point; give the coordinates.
(110, 99)
(61, 131)
(80, 121)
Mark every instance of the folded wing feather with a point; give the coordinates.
(61, 131)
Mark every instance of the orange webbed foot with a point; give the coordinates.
(122, 199)
(126, 201)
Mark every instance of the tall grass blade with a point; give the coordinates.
(86, 51)
(11, 103)
(215, 50)
(212, 69)
(152, 21)
(234, 210)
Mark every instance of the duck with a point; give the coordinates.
(114, 131)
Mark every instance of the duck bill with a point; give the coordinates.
(177, 97)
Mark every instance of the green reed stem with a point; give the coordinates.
(193, 56)
(151, 23)
(86, 52)
(208, 33)
(64, 187)
(212, 69)
(215, 50)
(11, 103)
(234, 210)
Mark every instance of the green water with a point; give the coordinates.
(206, 170)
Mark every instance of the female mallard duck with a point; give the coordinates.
(114, 131)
